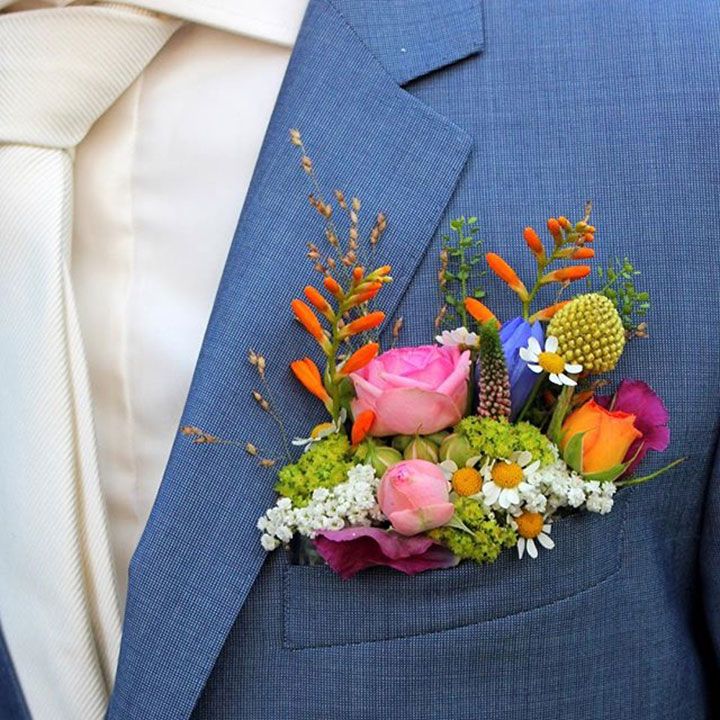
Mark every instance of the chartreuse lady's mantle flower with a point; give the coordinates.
(531, 527)
(547, 360)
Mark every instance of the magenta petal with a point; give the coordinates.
(638, 398)
(351, 550)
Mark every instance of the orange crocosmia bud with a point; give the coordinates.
(364, 323)
(361, 426)
(564, 222)
(307, 318)
(360, 358)
(548, 312)
(533, 241)
(316, 299)
(332, 286)
(357, 273)
(588, 237)
(478, 311)
(506, 274)
(583, 253)
(553, 226)
(306, 371)
(384, 270)
(568, 274)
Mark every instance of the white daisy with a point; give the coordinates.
(506, 479)
(531, 527)
(548, 360)
(321, 431)
(460, 337)
(465, 480)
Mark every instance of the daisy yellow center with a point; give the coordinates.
(530, 524)
(551, 362)
(507, 475)
(322, 427)
(466, 481)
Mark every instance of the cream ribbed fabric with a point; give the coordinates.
(60, 69)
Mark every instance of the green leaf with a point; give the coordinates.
(458, 524)
(573, 452)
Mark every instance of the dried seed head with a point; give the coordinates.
(252, 357)
(353, 217)
(397, 327)
(356, 205)
(441, 316)
(306, 163)
(261, 401)
(319, 267)
(250, 449)
(341, 199)
(267, 463)
(261, 366)
(295, 138)
(331, 263)
(332, 237)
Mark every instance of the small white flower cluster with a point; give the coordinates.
(353, 502)
(556, 486)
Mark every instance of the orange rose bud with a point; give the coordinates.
(357, 273)
(608, 435)
(533, 241)
(554, 227)
(568, 274)
(360, 358)
(548, 312)
(583, 253)
(478, 311)
(564, 222)
(361, 426)
(316, 299)
(306, 371)
(332, 286)
(307, 318)
(364, 323)
(506, 274)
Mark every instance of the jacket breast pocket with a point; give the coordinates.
(321, 610)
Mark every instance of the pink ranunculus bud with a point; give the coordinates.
(414, 390)
(414, 496)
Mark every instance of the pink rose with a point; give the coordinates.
(415, 390)
(414, 495)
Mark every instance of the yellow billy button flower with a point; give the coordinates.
(548, 360)
(531, 528)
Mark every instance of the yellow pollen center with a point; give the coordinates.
(466, 481)
(315, 432)
(530, 524)
(551, 362)
(507, 475)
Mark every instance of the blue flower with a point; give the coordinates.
(514, 335)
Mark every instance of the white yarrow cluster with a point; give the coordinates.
(352, 502)
(556, 486)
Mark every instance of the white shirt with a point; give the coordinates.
(160, 181)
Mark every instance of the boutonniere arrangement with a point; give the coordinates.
(455, 451)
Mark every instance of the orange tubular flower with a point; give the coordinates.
(533, 241)
(316, 299)
(382, 271)
(564, 222)
(307, 372)
(554, 227)
(307, 318)
(478, 311)
(360, 358)
(357, 273)
(332, 286)
(364, 323)
(548, 312)
(506, 274)
(583, 253)
(361, 426)
(568, 274)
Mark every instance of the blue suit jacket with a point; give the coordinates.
(511, 110)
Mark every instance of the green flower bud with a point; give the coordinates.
(421, 448)
(400, 442)
(456, 447)
(384, 457)
(437, 437)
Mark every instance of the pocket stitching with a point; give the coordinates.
(286, 607)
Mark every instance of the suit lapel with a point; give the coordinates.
(200, 554)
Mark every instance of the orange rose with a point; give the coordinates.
(608, 435)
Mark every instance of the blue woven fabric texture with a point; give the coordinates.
(517, 109)
(12, 702)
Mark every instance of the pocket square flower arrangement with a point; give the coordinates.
(458, 450)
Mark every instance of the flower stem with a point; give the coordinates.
(645, 478)
(561, 409)
(531, 398)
